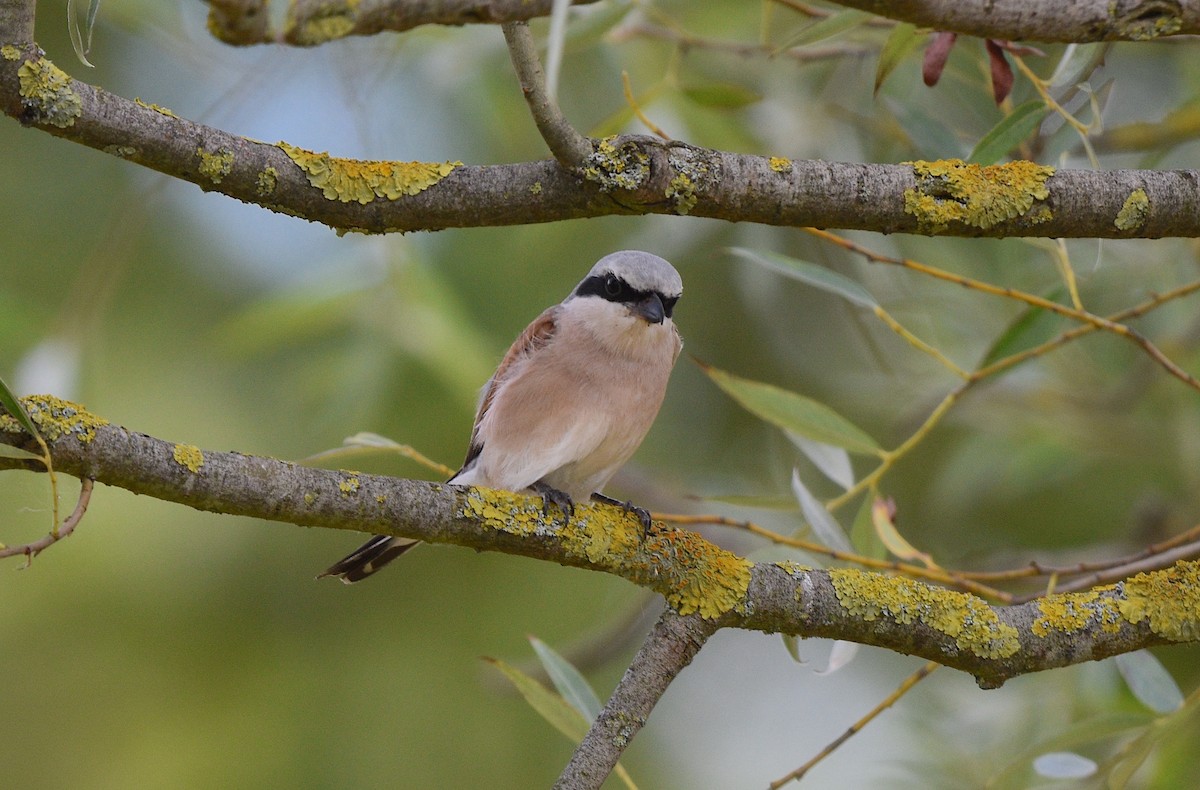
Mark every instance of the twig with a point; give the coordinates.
(569, 147)
(31, 550)
(857, 726)
(670, 646)
(637, 110)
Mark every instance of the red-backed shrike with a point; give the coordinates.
(573, 397)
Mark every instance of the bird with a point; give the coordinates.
(571, 400)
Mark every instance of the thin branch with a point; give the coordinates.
(312, 22)
(1045, 20)
(60, 531)
(569, 147)
(670, 646)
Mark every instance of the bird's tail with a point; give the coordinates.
(368, 558)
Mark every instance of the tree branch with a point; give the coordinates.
(1045, 20)
(625, 175)
(953, 628)
(670, 646)
(312, 22)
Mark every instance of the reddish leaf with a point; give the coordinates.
(935, 56)
(1002, 75)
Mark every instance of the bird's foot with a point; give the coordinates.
(642, 514)
(552, 496)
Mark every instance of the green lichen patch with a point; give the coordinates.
(1072, 612)
(123, 151)
(952, 190)
(47, 91)
(1133, 211)
(215, 166)
(1150, 20)
(9, 52)
(350, 180)
(189, 456)
(268, 179)
(56, 418)
(972, 624)
(625, 167)
(697, 576)
(505, 511)
(781, 165)
(1168, 599)
(694, 172)
(335, 19)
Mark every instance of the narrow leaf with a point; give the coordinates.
(792, 643)
(834, 462)
(721, 95)
(863, 536)
(1009, 133)
(1002, 74)
(936, 55)
(13, 406)
(883, 512)
(550, 706)
(81, 40)
(1149, 681)
(567, 679)
(843, 653)
(811, 274)
(1064, 765)
(903, 39)
(828, 27)
(824, 526)
(793, 412)
(1032, 328)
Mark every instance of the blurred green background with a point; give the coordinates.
(161, 647)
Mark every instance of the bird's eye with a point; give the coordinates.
(612, 285)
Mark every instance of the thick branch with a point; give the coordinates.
(671, 645)
(1045, 20)
(312, 22)
(952, 628)
(626, 175)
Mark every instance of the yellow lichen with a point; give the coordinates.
(55, 418)
(1134, 211)
(9, 52)
(309, 498)
(268, 179)
(698, 576)
(332, 20)
(190, 456)
(612, 168)
(47, 89)
(156, 108)
(952, 190)
(123, 151)
(682, 190)
(1168, 599)
(349, 484)
(349, 180)
(536, 188)
(1070, 612)
(692, 172)
(781, 165)
(215, 166)
(972, 624)
(793, 568)
(516, 514)
(1148, 21)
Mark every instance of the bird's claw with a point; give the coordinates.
(552, 496)
(642, 514)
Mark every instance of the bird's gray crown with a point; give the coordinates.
(641, 271)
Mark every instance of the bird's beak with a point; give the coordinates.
(651, 309)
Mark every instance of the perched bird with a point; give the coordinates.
(573, 397)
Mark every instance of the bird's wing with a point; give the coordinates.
(535, 336)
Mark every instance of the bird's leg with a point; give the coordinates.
(642, 514)
(552, 496)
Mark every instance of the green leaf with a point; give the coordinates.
(13, 406)
(825, 527)
(81, 40)
(722, 95)
(828, 27)
(1007, 134)
(810, 274)
(1032, 328)
(863, 536)
(833, 462)
(792, 412)
(903, 39)
(1150, 682)
(567, 679)
(550, 706)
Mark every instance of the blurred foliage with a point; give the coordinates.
(160, 647)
